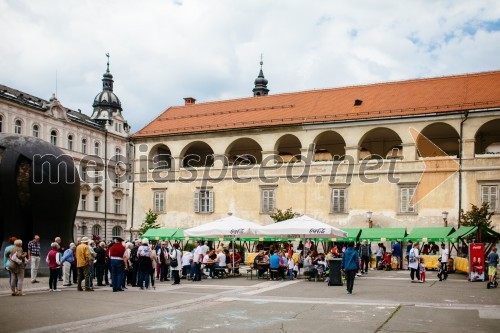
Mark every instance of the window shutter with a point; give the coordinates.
(404, 199)
(341, 200)
(271, 200)
(210, 202)
(411, 208)
(196, 202)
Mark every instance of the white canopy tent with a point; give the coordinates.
(229, 226)
(301, 227)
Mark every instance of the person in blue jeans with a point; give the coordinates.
(350, 265)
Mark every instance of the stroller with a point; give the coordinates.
(385, 264)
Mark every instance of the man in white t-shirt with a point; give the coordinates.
(187, 260)
(197, 259)
(205, 248)
(445, 254)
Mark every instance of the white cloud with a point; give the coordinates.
(162, 51)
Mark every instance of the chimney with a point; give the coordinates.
(189, 101)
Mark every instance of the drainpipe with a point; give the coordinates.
(105, 185)
(466, 114)
(132, 147)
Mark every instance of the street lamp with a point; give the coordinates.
(445, 218)
(369, 217)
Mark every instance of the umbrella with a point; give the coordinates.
(301, 227)
(229, 226)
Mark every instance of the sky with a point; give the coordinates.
(164, 50)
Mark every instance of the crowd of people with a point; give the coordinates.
(120, 264)
(116, 264)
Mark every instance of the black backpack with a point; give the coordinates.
(133, 255)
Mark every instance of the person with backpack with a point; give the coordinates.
(350, 265)
(413, 263)
(134, 260)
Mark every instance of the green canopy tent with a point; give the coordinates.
(482, 234)
(352, 235)
(436, 234)
(159, 234)
(383, 234)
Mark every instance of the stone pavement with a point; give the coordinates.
(382, 302)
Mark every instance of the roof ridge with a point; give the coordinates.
(423, 79)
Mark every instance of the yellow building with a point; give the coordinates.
(333, 154)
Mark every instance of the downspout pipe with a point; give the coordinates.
(465, 116)
(106, 185)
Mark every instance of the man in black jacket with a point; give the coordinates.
(100, 262)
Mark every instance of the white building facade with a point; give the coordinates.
(99, 146)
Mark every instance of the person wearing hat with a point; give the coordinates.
(83, 264)
(117, 257)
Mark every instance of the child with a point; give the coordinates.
(291, 265)
(442, 274)
(422, 270)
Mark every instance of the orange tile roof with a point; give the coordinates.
(393, 99)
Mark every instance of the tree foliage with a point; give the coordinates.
(477, 216)
(149, 222)
(282, 215)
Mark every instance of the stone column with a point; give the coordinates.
(409, 151)
(353, 152)
(468, 148)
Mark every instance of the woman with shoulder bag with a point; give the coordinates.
(413, 263)
(175, 263)
(16, 267)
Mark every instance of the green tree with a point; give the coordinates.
(282, 215)
(149, 222)
(477, 216)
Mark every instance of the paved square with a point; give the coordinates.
(382, 302)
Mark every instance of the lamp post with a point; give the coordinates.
(369, 217)
(445, 218)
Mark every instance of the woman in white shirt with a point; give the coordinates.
(175, 267)
(413, 262)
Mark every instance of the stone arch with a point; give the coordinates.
(487, 138)
(444, 138)
(197, 154)
(244, 151)
(160, 157)
(329, 146)
(380, 142)
(288, 148)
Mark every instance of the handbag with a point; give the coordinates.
(174, 263)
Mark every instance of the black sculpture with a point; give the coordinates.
(39, 191)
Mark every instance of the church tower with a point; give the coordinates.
(260, 88)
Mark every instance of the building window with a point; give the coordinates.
(70, 142)
(117, 231)
(96, 204)
(84, 146)
(18, 127)
(84, 230)
(96, 229)
(53, 137)
(338, 202)
(489, 194)
(84, 202)
(204, 201)
(1, 122)
(96, 148)
(118, 153)
(268, 200)
(159, 201)
(36, 131)
(96, 176)
(118, 203)
(405, 196)
(83, 176)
